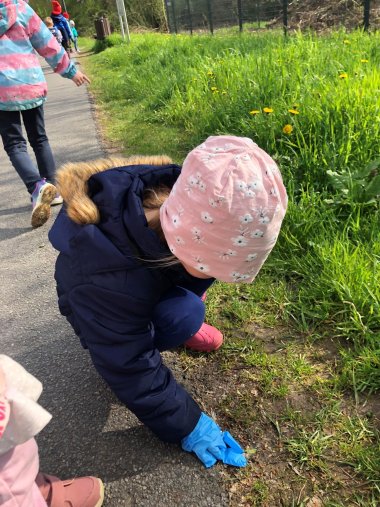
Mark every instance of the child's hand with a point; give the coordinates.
(210, 444)
(80, 78)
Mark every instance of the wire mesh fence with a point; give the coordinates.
(210, 15)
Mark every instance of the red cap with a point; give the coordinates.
(56, 7)
(66, 15)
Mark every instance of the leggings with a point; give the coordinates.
(16, 147)
(18, 472)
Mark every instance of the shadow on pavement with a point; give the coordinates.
(9, 233)
(12, 211)
(83, 436)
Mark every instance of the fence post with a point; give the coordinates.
(367, 4)
(257, 14)
(167, 15)
(172, 2)
(240, 14)
(189, 16)
(285, 16)
(210, 20)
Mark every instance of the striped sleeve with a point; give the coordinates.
(47, 46)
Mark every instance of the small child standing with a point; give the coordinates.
(60, 22)
(75, 34)
(23, 91)
(21, 418)
(54, 30)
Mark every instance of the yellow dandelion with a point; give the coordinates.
(268, 110)
(364, 60)
(224, 92)
(287, 129)
(293, 111)
(213, 88)
(346, 41)
(343, 75)
(254, 111)
(210, 73)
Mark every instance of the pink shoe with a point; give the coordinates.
(207, 339)
(80, 492)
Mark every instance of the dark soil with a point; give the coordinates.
(273, 477)
(321, 15)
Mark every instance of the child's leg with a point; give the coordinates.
(16, 148)
(177, 317)
(35, 128)
(18, 471)
(76, 44)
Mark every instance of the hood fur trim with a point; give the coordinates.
(72, 183)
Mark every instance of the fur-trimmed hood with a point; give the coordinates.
(72, 182)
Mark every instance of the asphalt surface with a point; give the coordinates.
(91, 432)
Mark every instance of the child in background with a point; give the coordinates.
(75, 34)
(23, 91)
(21, 418)
(140, 240)
(62, 24)
(54, 30)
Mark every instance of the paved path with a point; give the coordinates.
(91, 433)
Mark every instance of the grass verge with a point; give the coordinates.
(301, 359)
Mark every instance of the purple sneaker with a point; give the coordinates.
(42, 196)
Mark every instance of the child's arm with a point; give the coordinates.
(47, 46)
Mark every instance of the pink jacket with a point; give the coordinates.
(22, 34)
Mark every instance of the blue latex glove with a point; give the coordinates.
(210, 444)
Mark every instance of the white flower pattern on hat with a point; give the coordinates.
(227, 254)
(176, 220)
(179, 240)
(197, 235)
(254, 185)
(200, 265)
(241, 185)
(239, 241)
(215, 202)
(206, 217)
(257, 233)
(239, 277)
(246, 219)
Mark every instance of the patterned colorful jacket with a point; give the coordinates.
(22, 33)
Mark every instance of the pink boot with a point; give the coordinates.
(207, 339)
(79, 492)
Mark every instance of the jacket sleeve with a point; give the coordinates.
(119, 336)
(46, 45)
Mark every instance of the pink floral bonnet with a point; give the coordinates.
(224, 213)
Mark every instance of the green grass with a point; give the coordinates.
(164, 94)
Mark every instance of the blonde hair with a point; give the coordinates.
(153, 199)
(48, 22)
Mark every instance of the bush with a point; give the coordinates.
(112, 40)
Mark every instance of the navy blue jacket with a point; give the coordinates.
(108, 295)
(60, 22)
